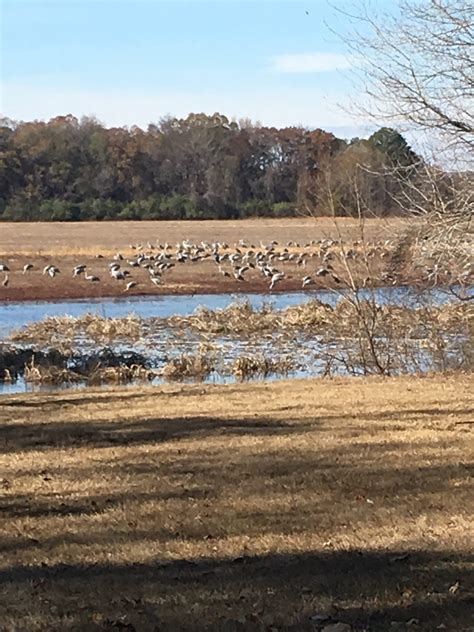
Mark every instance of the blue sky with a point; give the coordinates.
(131, 62)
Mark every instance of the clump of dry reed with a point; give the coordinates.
(121, 374)
(50, 374)
(186, 366)
(246, 367)
(61, 331)
(238, 318)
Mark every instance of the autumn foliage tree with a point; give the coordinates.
(195, 167)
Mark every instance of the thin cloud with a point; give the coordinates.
(311, 62)
(277, 107)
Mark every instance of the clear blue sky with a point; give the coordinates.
(131, 62)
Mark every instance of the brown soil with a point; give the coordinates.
(67, 245)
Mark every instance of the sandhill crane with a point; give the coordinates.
(78, 270)
(322, 272)
(239, 273)
(117, 274)
(276, 278)
(224, 272)
(51, 270)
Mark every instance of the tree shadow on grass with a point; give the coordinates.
(366, 590)
(16, 437)
(20, 437)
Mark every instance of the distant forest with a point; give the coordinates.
(199, 167)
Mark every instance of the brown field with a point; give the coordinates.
(51, 238)
(240, 507)
(67, 244)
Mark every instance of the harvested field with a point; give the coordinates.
(66, 245)
(61, 238)
(263, 507)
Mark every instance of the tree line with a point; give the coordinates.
(198, 167)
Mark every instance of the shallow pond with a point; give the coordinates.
(15, 315)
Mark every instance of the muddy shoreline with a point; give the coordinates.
(19, 295)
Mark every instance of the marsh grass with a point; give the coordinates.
(261, 366)
(53, 375)
(356, 336)
(196, 367)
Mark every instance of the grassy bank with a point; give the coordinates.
(244, 507)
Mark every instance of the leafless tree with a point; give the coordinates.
(417, 70)
(417, 67)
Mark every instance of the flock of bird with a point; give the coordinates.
(233, 262)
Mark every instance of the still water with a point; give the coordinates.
(14, 315)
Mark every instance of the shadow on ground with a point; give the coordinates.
(247, 593)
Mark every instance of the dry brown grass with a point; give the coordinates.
(89, 238)
(238, 507)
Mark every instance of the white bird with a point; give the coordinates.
(4, 267)
(307, 280)
(130, 285)
(156, 280)
(78, 270)
(223, 272)
(5, 281)
(276, 278)
(26, 267)
(322, 272)
(238, 274)
(91, 277)
(117, 274)
(52, 271)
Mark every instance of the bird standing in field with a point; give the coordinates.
(6, 281)
(322, 272)
(130, 285)
(78, 270)
(276, 278)
(91, 277)
(27, 267)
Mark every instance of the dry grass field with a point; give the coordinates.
(63, 238)
(239, 507)
(66, 245)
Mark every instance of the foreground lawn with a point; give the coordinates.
(244, 507)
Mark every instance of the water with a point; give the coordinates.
(15, 315)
